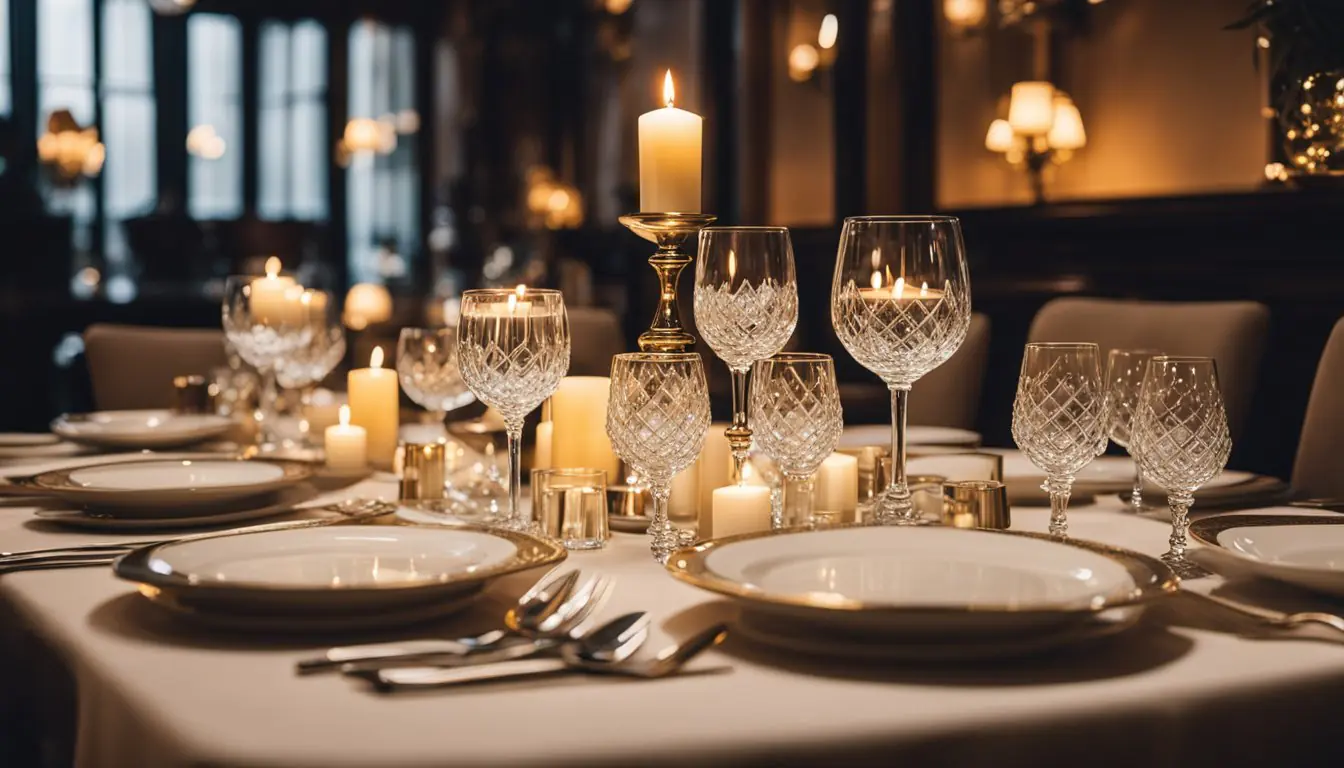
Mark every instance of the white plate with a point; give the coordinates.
(272, 505)
(48, 451)
(1103, 474)
(291, 624)
(880, 434)
(334, 569)
(27, 439)
(150, 429)
(1282, 544)
(922, 581)
(168, 488)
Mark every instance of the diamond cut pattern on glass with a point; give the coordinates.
(1057, 418)
(901, 341)
(797, 417)
(749, 324)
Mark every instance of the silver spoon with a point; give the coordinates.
(573, 658)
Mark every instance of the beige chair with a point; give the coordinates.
(1318, 471)
(133, 366)
(1232, 333)
(594, 338)
(947, 396)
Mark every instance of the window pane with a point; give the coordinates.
(274, 62)
(128, 128)
(4, 58)
(309, 52)
(65, 59)
(308, 154)
(272, 173)
(213, 99)
(293, 157)
(127, 48)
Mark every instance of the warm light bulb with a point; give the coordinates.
(376, 359)
(830, 30)
(272, 267)
(1031, 109)
(1067, 131)
(345, 415)
(803, 61)
(1000, 136)
(668, 91)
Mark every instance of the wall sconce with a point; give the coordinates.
(805, 58)
(367, 136)
(965, 16)
(1043, 126)
(70, 152)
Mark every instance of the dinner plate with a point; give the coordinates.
(27, 439)
(268, 505)
(53, 450)
(923, 582)
(144, 429)
(880, 434)
(332, 570)
(802, 637)
(1303, 550)
(1105, 474)
(164, 488)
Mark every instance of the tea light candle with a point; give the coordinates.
(900, 291)
(579, 416)
(374, 406)
(739, 509)
(837, 488)
(669, 157)
(347, 444)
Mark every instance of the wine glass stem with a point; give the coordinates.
(1059, 489)
(1180, 523)
(1136, 498)
(266, 414)
(515, 432)
(798, 499)
(897, 507)
(739, 434)
(663, 537)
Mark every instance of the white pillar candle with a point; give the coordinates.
(579, 416)
(685, 498)
(374, 406)
(716, 464)
(739, 509)
(669, 157)
(347, 445)
(275, 299)
(542, 458)
(837, 488)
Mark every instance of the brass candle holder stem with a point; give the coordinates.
(669, 231)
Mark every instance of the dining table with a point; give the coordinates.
(87, 659)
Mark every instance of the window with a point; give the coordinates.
(65, 81)
(382, 195)
(4, 59)
(127, 91)
(292, 157)
(215, 116)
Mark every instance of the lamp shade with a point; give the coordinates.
(1000, 136)
(1031, 111)
(1067, 132)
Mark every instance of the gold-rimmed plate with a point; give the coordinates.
(923, 582)
(141, 429)
(332, 570)
(1281, 544)
(165, 488)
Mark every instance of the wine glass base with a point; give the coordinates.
(1183, 567)
(893, 508)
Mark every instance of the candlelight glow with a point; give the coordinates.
(898, 290)
(732, 264)
(345, 416)
(830, 30)
(668, 91)
(876, 282)
(272, 267)
(520, 290)
(923, 290)
(376, 359)
(513, 302)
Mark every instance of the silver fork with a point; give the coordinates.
(1276, 619)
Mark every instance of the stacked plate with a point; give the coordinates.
(34, 445)
(1280, 544)
(330, 578)
(924, 593)
(880, 434)
(140, 430)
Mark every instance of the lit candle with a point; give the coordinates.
(899, 290)
(837, 488)
(275, 298)
(542, 458)
(739, 509)
(347, 445)
(669, 157)
(374, 406)
(579, 413)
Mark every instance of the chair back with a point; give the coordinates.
(949, 395)
(133, 366)
(1317, 470)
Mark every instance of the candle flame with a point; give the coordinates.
(272, 267)
(877, 258)
(345, 415)
(513, 302)
(306, 299)
(923, 290)
(732, 264)
(746, 473)
(830, 30)
(876, 282)
(520, 290)
(899, 288)
(376, 359)
(668, 91)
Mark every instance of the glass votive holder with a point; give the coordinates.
(976, 504)
(570, 506)
(194, 394)
(926, 494)
(423, 475)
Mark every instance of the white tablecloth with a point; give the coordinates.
(1182, 689)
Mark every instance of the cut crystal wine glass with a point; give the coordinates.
(657, 418)
(1181, 430)
(513, 349)
(798, 422)
(309, 363)
(1058, 417)
(1124, 377)
(746, 307)
(428, 371)
(901, 305)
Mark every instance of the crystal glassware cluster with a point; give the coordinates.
(1058, 417)
(798, 421)
(513, 349)
(746, 307)
(1180, 428)
(901, 305)
(657, 417)
(428, 370)
(1124, 376)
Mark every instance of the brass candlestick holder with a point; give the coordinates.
(669, 231)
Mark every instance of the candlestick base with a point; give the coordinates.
(669, 231)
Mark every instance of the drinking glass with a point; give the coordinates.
(798, 422)
(1058, 417)
(428, 370)
(513, 349)
(570, 506)
(746, 307)
(1124, 376)
(901, 305)
(1181, 431)
(309, 363)
(265, 320)
(657, 418)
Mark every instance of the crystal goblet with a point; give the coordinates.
(1124, 377)
(746, 307)
(798, 422)
(513, 349)
(901, 305)
(1058, 417)
(309, 363)
(657, 417)
(428, 370)
(265, 320)
(1181, 430)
